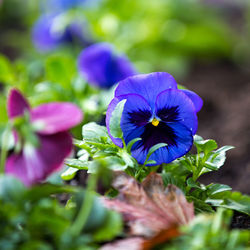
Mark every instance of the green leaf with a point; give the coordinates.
(115, 163)
(169, 178)
(11, 189)
(115, 120)
(4, 115)
(6, 71)
(191, 183)
(205, 146)
(74, 163)
(153, 149)
(132, 142)
(213, 189)
(217, 158)
(60, 69)
(69, 174)
(232, 200)
(42, 191)
(200, 205)
(128, 159)
(93, 132)
(150, 162)
(211, 166)
(223, 149)
(111, 227)
(97, 215)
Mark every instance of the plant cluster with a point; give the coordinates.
(101, 156)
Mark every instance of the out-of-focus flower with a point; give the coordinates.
(53, 30)
(157, 112)
(64, 5)
(102, 67)
(149, 208)
(41, 135)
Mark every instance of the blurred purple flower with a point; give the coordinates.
(44, 139)
(102, 67)
(53, 30)
(63, 5)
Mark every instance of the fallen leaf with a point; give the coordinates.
(149, 208)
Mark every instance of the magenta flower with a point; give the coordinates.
(41, 135)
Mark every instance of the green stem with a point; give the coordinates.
(4, 148)
(124, 144)
(86, 206)
(137, 175)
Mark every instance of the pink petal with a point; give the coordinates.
(56, 117)
(33, 165)
(16, 104)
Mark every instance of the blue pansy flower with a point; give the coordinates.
(53, 30)
(102, 67)
(157, 112)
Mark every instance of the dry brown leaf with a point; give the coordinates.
(140, 243)
(161, 237)
(149, 208)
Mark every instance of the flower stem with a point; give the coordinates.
(86, 206)
(124, 144)
(4, 148)
(137, 175)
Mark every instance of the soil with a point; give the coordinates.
(225, 90)
(240, 221)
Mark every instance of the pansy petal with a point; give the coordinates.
(146, 85)
(136, 115)
(56, 117)
(139, 154)
(183, 143)
(174, 106)
(197, 101)
(33, 165)
(16, 104)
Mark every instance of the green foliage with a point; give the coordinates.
(210, 232)
(34, 219)
(159, 34)
(6, 72)
(98, 151)
(155, 35)
(185, 171)
(54, 67)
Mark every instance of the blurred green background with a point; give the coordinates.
(203, 44)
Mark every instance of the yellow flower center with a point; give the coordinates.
(155, 122)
